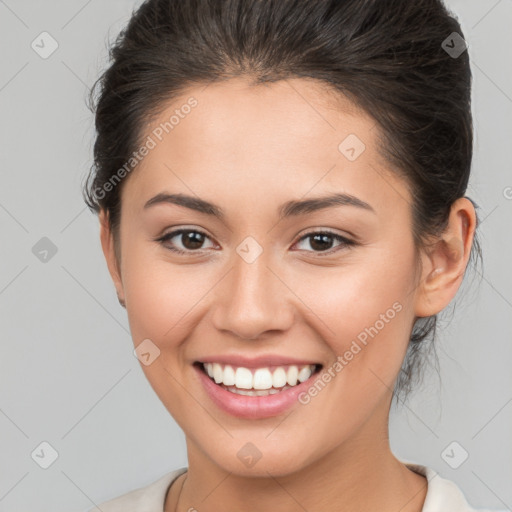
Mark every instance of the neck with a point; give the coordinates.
(359, 475)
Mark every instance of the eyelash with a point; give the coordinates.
(345, 242)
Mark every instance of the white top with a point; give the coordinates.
(442, 495)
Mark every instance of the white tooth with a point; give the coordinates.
(262, 379)
(292, 375)
(273, 391)
(217, 373)
(243, 378)
(304, 373)
(208, 369)
(261, 392)
(279, 378)
(229, 376)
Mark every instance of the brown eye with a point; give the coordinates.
(322, 241)
(191, 240)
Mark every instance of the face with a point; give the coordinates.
(262, 282)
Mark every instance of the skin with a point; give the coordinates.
(249, 149)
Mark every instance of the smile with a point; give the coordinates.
(258, 381)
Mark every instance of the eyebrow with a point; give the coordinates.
(289, 209)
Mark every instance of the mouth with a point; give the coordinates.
(258, 382)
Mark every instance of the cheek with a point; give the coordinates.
(160, 300)
(160, 297)
(364, 313)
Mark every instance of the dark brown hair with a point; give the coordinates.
(389, 57)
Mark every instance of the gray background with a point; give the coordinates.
(67, 372)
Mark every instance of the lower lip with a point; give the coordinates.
(252, 407)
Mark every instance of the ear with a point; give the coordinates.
(107, 244)
(445, 262)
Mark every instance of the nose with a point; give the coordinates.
(253, 301)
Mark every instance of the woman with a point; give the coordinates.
(280, 188)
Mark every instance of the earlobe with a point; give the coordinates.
(445, 264)
(108, 247)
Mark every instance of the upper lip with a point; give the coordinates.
(258, 361)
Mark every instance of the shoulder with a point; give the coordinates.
(150, 498)
(443, 495)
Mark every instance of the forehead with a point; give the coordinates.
(294, 135)
(288, 113)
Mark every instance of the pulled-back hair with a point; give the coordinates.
(391, 58)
